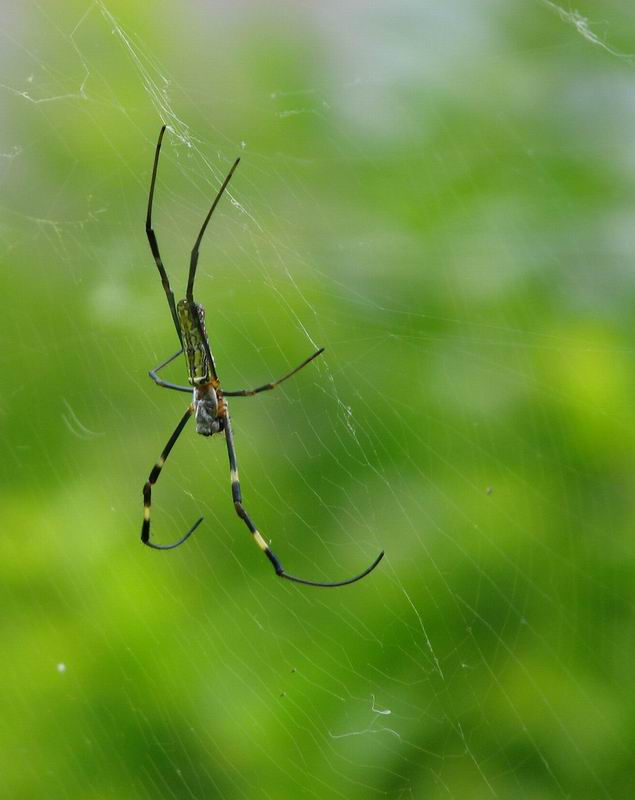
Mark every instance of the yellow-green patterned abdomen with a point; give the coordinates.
(193, 333)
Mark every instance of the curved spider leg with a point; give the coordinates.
(242, 513)
(152, 479)
(268, 386)
(154, 374)
(152, 239)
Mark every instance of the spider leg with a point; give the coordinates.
(268, 386)
(152, 479)
(262, 544)
(194, 256)
(155, 377)
(152, 239)
(189, 294)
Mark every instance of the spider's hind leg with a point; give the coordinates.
(152, 239)
(194, 256)
(153, 373)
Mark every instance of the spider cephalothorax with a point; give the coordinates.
(208, 405)
(209, 410)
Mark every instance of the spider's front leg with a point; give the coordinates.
(262, 544)
(153, 478)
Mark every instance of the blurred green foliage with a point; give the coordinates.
(440, 194)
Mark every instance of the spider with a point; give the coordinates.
(209, 405)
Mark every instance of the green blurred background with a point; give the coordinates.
(441, 194)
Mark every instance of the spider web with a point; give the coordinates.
(439, 194)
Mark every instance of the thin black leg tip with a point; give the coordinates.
(332, 585)
(148, 543)
(369, 569)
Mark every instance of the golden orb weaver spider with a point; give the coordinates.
(208, 404)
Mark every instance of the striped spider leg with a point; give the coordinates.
(208, 406)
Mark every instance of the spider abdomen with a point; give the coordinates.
(191, 318)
